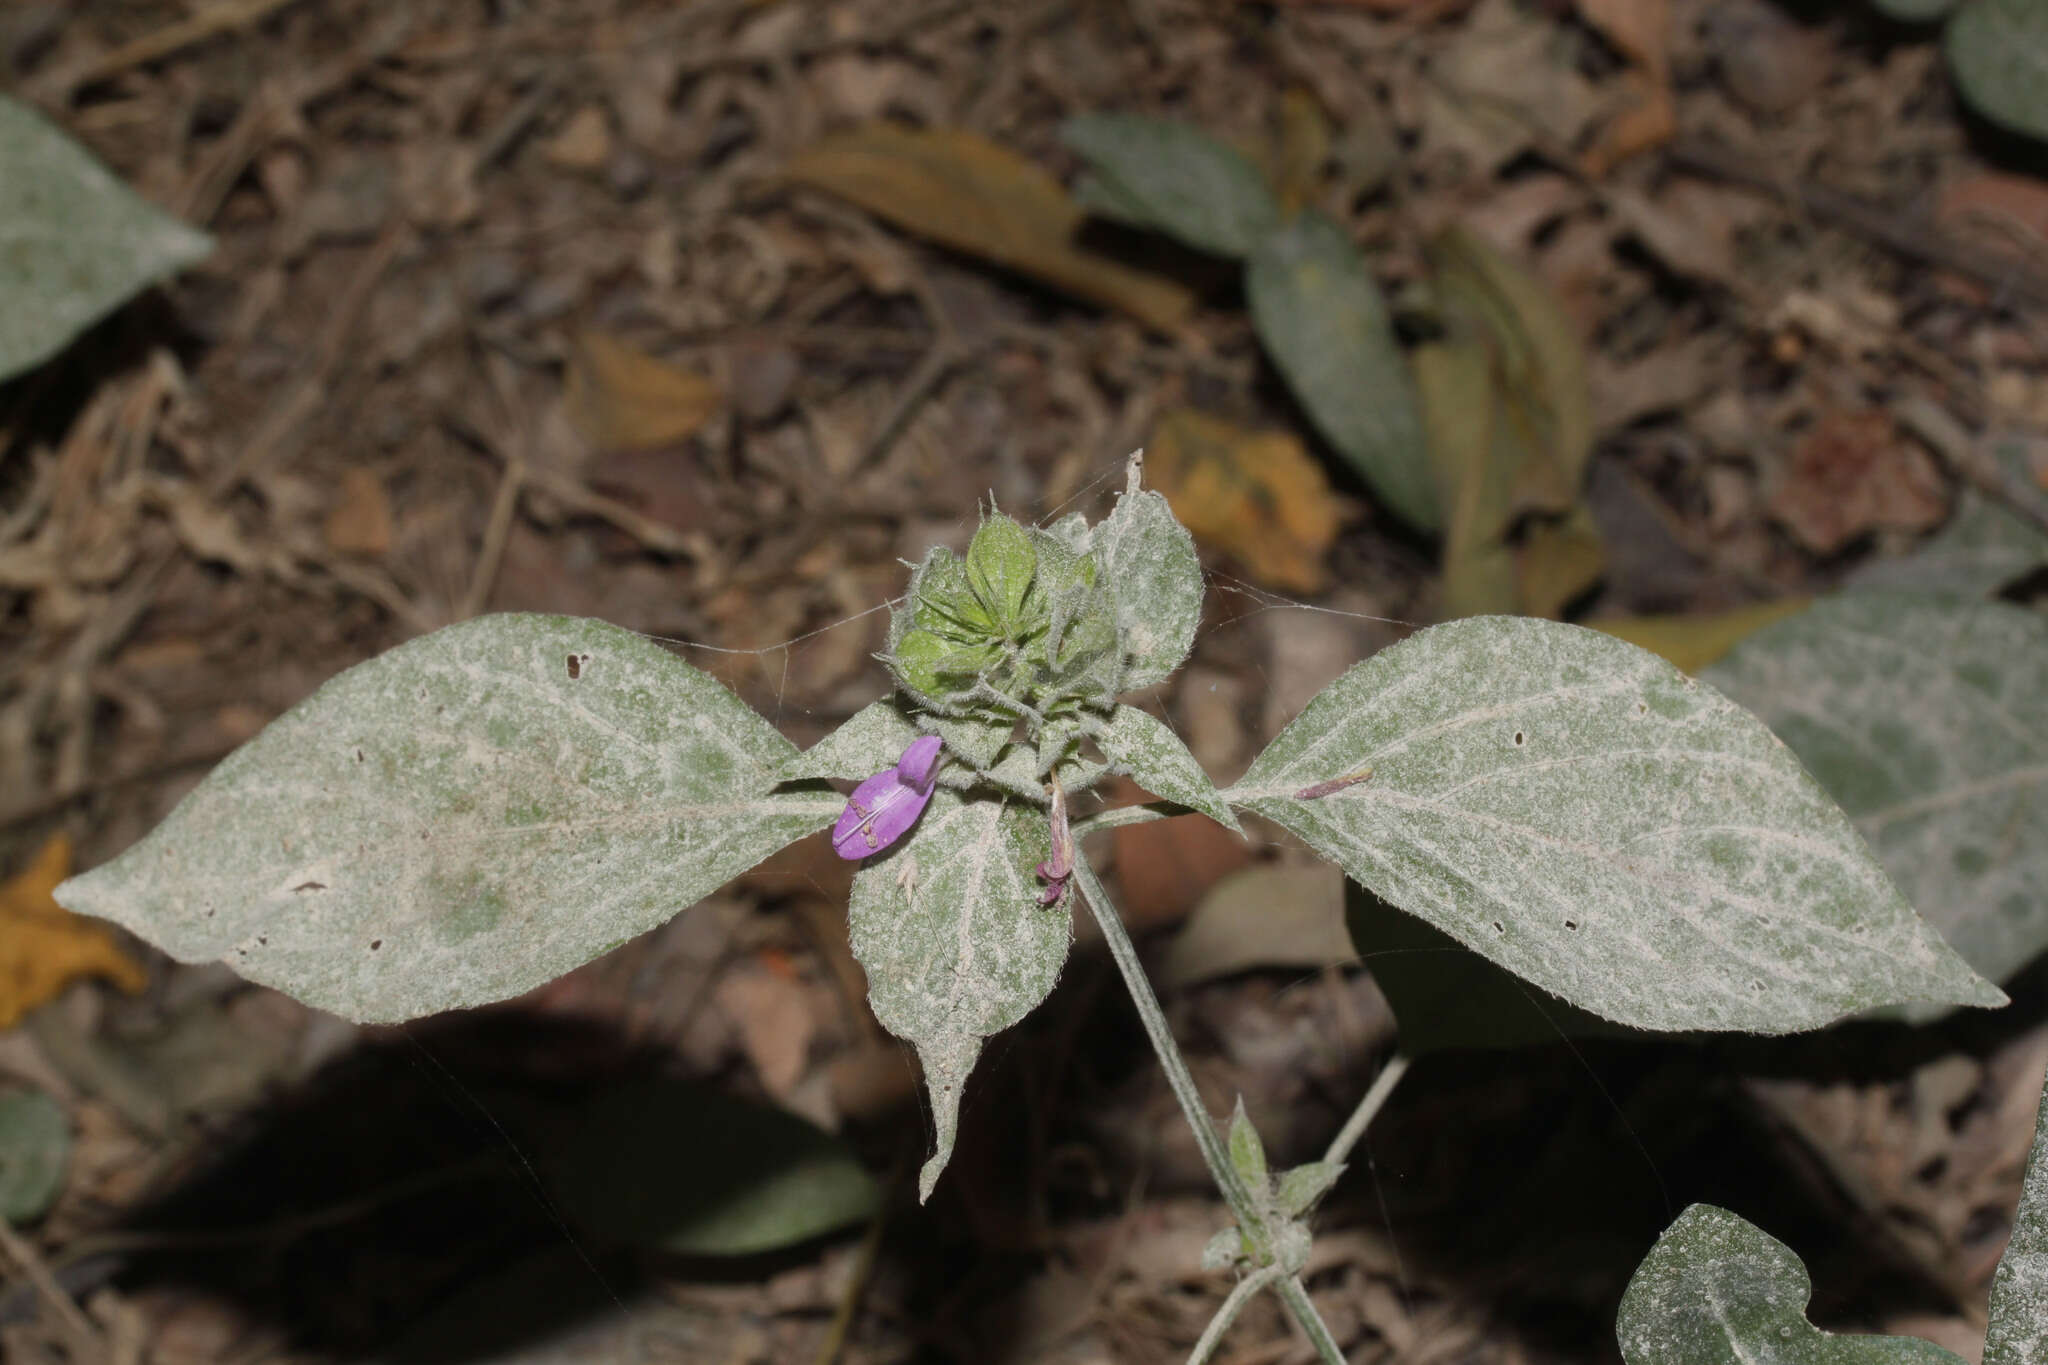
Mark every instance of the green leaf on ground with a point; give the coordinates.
(35, 1144)
(1585, 815)
(1173, 178)
(1927, 718)
(1324, 322)
(78, 242)
(678, 1167)
(956, 947)
(1998, 50)
(1718, 1290)
(461, 819)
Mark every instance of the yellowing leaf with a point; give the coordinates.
(963, 191)
(1558, 560)
(1693, 642)
(1256, 495)
(621, 398)
(1509, 413)
(44, 947)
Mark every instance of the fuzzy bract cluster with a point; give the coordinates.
(1022, 629)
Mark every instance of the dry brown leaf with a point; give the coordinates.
(359, 523)
(44, 947)
(618, 397)
(1255, 495)
(584, 143)
(963, 191)
(1856, 472)
(1639, 29)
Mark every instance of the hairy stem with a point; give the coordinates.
(1130, 815)
(1226, 1314)
(1250, 1218)
(1375, 1095)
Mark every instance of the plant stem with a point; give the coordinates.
(1376, 1094)
(1294, 1294)
(1143, 813)
(1250, 1217)
(1212, 1335)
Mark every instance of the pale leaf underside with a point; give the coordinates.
(1582, 813)
(462, 819)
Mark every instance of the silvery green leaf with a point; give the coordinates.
(954, 943)
(1998, 50)
(1322, 319)
(1173, 178)
(1299, 1188)
(1224, 1250)
(1247, 1152)
(77, 242)
(1927, 718)
(1582, 813)
(2019, 1292)
(872, 739)
(977, 741)
(1139, 745)
(1020, 771)
(35, 1144)
(462, 819)
(1148, 560)
(1717, 1290)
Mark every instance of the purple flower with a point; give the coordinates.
(883, 808)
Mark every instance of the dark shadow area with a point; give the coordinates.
(405, 1192)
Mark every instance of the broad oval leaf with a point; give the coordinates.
(675, 1166)
(1173, 178)
(1139, 745)
(1927, 718)
(1585, 815)
(1984, 546)
(77, 242)
(461, 819)
(1718, 1290)
(35, 1144)
(954, 943)
(2018, 1332)
(1321, 317)
(1998, 50)
(1149, 561)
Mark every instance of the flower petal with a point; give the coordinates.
(919, 759)
(877, 814)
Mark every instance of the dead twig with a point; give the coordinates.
(2006, 277)
(21, 1251)
(150, 47)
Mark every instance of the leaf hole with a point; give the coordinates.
(575, 666)
(359, 755)
(1756, 987)
(262, 941)
(1499, 928)
(1642, 708)
(310, 886)
(1518, 739)
(1572, 925)
(375, 944)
